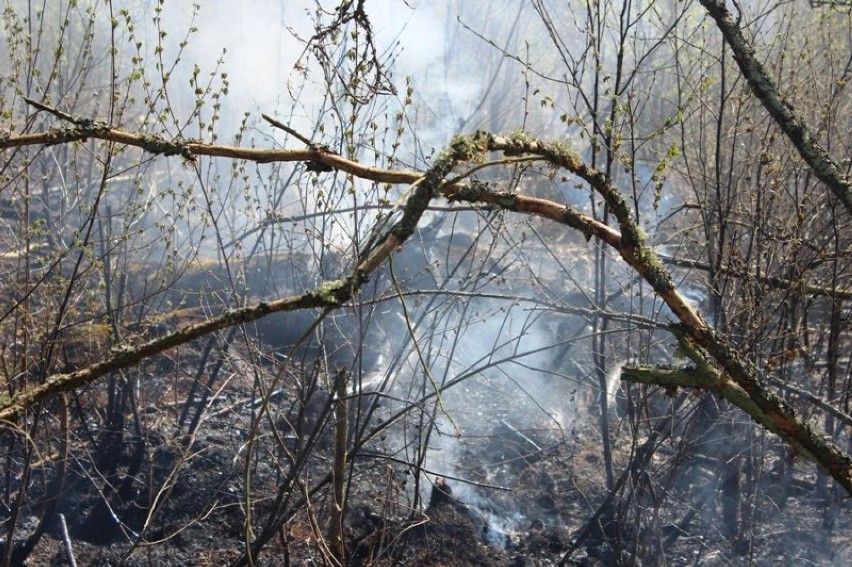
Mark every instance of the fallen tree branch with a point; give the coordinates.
(778, 419)
(328, 295)
(84, 129)
(740, 380)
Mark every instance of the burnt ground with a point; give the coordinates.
(520, 496)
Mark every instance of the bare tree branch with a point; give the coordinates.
(781, 111)
(738, 380)
(743, 383)
(331, 294)
(772, 282)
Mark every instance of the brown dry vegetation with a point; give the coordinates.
(603, 322)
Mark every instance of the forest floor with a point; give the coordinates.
(166, 502)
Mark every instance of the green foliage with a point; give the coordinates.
(658, 177)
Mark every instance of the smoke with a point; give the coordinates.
(257, 47)
(485, 308)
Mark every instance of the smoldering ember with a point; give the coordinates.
(381, 282)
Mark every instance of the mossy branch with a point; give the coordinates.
(738, 378)
(328, 295)
(779, 108)
(765, 407)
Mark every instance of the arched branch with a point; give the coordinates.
(743, 383)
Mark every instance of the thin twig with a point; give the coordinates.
(50, 109)
(282, 126)
(517, 432)
(391, 458)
